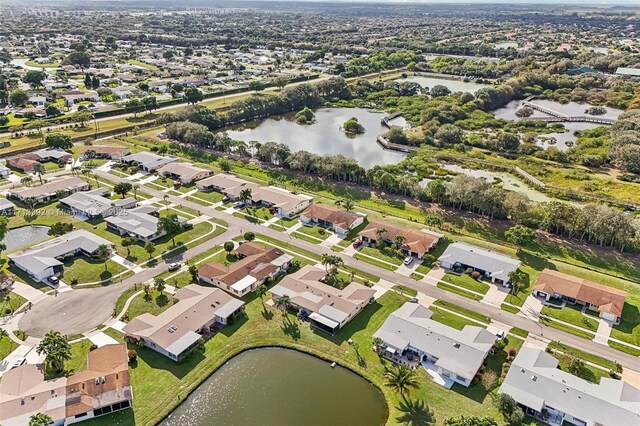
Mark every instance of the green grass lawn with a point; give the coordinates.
(452, 320)
(11, 303)
(87, 270)
(577, 332)
(624, 348)
(569, 350)
(153, 303)
(406, 290)
(160, 384)
(467, 282)
(211, 196)
(317, 232)
(463, 311)
(509, 308)
(387, 254)
(456, 290)
(519, 332)
(571, 314)
(375, 262)
(629, 328)
(6, 347)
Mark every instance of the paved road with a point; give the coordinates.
(238, 225)
(62, 312)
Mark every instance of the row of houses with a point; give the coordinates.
(103, 388)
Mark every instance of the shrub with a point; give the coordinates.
(133, 355)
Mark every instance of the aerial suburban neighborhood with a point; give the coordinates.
(347, 213)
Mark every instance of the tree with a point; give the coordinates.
(225, 165)
(489, 379)
(103, 253)
(520, 236)
(345, 203)
(136, 186)
(439, 90)
(39, 170)
(127, 242)
(83, 117)
(449, 134)
(171, 225)
(34, 78)
(18, 98)
(40, 419)
(150, 248)
(58, 140)
(249, 236)
(122, 188)
(193, 95)
(3, 247)
(401, 379)
(160, 285)
(31, 203)
(352, 126)
(56, 349)
(26, 180)
(399, 240)
(229, 246)
(193, 271)
(79, 58)
(134, 106)
(261, 291)
(283, 303)
(331, 262)
(470, 421)
(245, 195)
(256, 86)
(279, 82)
(509, 409)
(52, 111)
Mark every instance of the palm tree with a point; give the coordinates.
(401, 379)
(245, 195)
(103, 253)
(127, 242)
(261, 291)
(147, 290)
(166, 200)
(27, 180)
(150, 248)
(399, 240)
(39, 170)
(283, 303)
(56, 348)
(160, 285)
(135, 190)
(348, 204)
(40, 419)
(380, 231)
(31, 203)
(75, 169)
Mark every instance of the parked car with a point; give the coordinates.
(407, 260)
(174, 266)
(226, 199)
(70, 161)
(238, 205)
(357, 244)
(18, 362)
(53, 280)
(500, 335)
(414, 300)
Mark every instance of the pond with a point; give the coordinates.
(281, 387)
(453, 85)
(25, 236)
(508, 182)
(325, 136)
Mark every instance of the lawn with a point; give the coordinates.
(629, 328)
(375, 262)
(465, 281)
(463, 311)
(569, 350)
(577, 332)
(317, 232)
(456, 290)
(406, 290)
(509, 308)
(153, 303)
(452, 320)
(6, 347)
(86, 270)
(160, 384)
(571, 314)
(12, 304)
(387, 254)
(624, 348)
(212, 197)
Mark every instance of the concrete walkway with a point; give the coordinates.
(28, 292)
(603, 332)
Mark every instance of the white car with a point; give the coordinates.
(18, 362)
(407, 260)
(500, 335)
(174, 266)
(238, 205)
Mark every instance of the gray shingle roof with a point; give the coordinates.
(497, 264)
(534, 380)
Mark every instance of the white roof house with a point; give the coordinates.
(456, 354)
(140, 222)
(42, 261)
(535, 382)
(494, 265)
(95, 203)
(148, 161)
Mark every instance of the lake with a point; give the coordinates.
(281, 387)
(25, 236)
(453, 85)
(325, 136)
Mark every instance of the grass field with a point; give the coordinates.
(571, 314)
(456, 290)
(463, 311)
(467, 282)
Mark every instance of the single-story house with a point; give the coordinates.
(43, 260)
(409, 333)
(257, 264)
(7, 208)
(558, 397)
(49, 190)
(285, 203)
(326, 307)
(5, 172)
(104, 387)
(629, 72)
(141, 223)
(26, 161)
(184, 172)
(414, 243)
(175, 332)
(489, 263)
(111, 152)
(339, 221)
(608, 301)
(147, 161)
(95, 204)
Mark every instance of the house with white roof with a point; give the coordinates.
(325, 307)
(147, 161)
(199, 312)
(95, 204)
(496, 266)
(409, 334)
(44, 260)
(557, 397)
(141, 223)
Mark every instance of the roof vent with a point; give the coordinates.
(522, 370)
(534, 378)
(456, 345)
